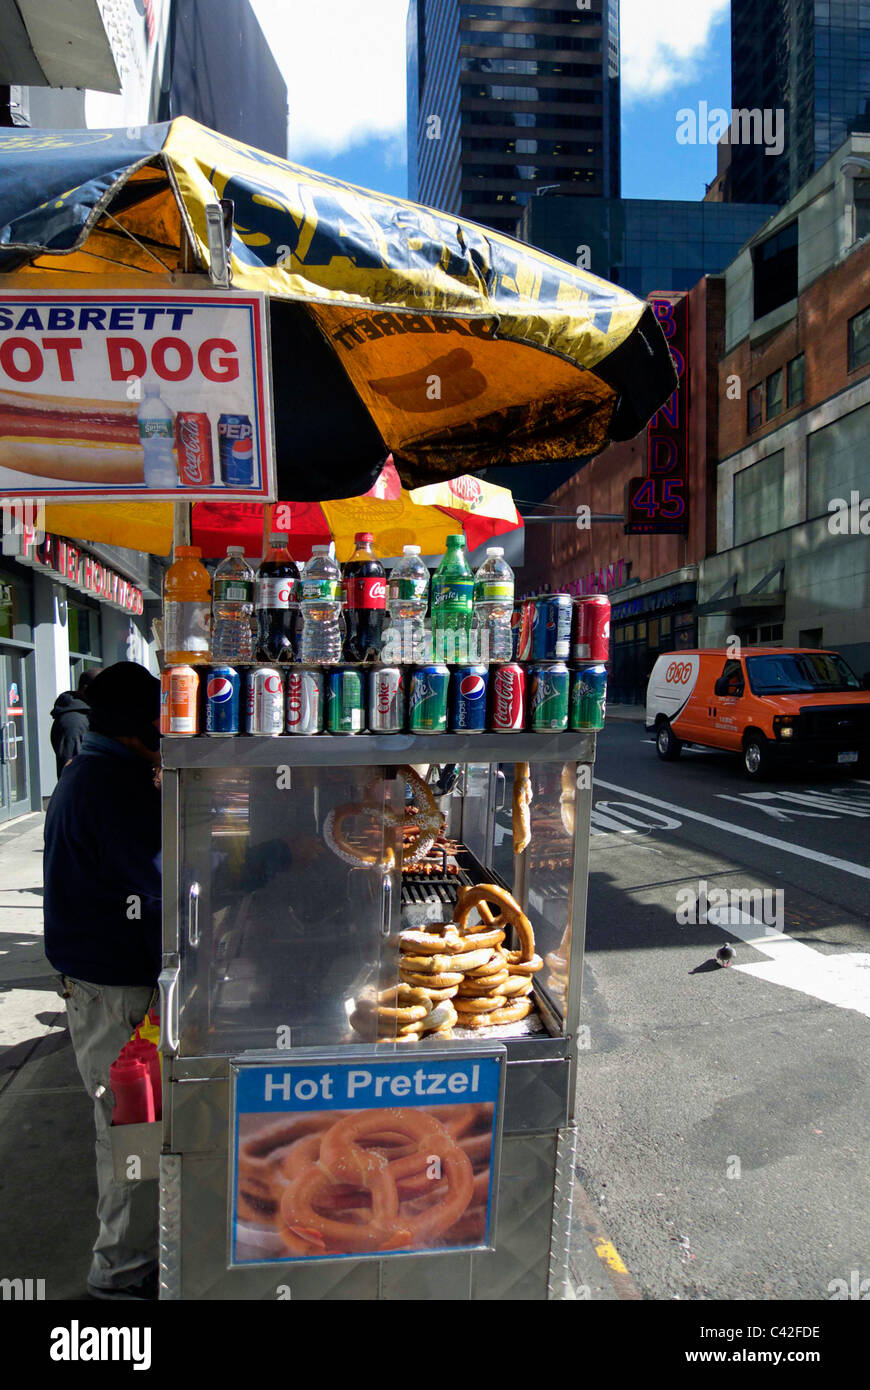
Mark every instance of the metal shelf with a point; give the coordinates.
(372, 750)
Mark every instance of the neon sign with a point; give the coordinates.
(658, 504)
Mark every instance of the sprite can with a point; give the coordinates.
(427, 699)
(588, 697)
(345, 701)
(548, 698)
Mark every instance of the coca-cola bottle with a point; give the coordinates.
(366, 585)
(277, 599)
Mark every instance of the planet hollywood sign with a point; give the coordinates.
(82, 571)
(599, 581)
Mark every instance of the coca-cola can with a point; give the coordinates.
(193, 447)
(527, 628)
(386, 701)
(264, 702)
(304, 705)
(592, 629)
(508, 700)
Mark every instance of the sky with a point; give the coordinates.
(344, 65)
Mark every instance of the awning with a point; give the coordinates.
(60, 45)
(758, 602)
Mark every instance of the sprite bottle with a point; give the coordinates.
(452, 603)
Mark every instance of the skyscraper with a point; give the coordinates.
(811, 59)
(505, 99)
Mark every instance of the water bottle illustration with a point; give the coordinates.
(157, 437)
(232, 608)
(320, 595)
(407, 601)
(493, 608)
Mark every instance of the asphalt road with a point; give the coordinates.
(724, 1112)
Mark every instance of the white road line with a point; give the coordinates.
(845, 865)
(842, 980)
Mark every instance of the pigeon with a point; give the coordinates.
(725, 955)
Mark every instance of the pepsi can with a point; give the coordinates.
(467, 699)
(304, 701)
(236, 450)
(386, 701)
(551, 633)
(223, 686)
(264, 702)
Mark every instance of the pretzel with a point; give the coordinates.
(401, 1002)
(424, 828)
(509, 913)
(511, 1013)
(437, 965)
(516, 985)
(492, 967)
(521, 818)
(491, 985)
(424, 942)
(444, 979)
(436, 995)
(261, 1155)
(373, 1228)
(522, 967)
(484, 1005)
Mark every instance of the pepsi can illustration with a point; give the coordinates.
(236, 450)
(222, 689)
(551, 635)
(467, 699)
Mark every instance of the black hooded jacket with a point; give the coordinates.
(70, 716)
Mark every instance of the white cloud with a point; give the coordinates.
(664, 43)
(344, 65)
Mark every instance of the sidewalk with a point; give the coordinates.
(48, 1188)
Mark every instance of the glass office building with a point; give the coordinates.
(505, 99)
(810, 59)
(642, 244)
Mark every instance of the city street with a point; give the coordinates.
(723, 1113)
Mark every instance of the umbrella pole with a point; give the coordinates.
(181, 524)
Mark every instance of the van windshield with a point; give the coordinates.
(803, 673)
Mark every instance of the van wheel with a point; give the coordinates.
(668, 746)
(756, 757)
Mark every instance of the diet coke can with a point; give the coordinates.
(508, 700)
(592, 629)
(304, 701)
(386, 712)
(264, 702)
(193, 447)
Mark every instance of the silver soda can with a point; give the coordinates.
(386, 712)
(264, 702)
(304, 700)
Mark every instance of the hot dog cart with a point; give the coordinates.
(270, 937)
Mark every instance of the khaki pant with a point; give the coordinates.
(102, 1018)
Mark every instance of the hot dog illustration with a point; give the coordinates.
(447, 381)
(81, 441)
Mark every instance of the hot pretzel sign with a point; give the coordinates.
(340, 1159)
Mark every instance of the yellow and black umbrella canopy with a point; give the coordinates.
(395, 328)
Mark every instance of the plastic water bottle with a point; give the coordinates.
(493, 607)
(232, 607)
(157, 437)
(320, 595)
(407, 601)
(452, 602)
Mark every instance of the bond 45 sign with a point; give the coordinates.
(364, 1155)
(158, 394)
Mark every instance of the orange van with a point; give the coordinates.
(767, 704)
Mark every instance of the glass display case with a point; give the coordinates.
(277, 927)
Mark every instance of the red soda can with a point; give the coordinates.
(527, 626)
(193, 446)
(508, 707)
(179, 701)
(592, 629)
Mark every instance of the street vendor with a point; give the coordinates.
(102, 934)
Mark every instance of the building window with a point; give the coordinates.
(758, 499)
(862, 208)
(775, 271)
(796, 380)
(754, 409)
(859, 340)
(838, 462)
(774, 394)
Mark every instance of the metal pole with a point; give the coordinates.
(596, 516)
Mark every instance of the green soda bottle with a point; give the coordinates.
(452, 603)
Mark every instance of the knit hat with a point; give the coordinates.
(124, 700)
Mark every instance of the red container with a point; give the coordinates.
(179, 701)
(134, 1103)
(592, 629)
(508, 699)
(527, 626)
(193, 447)
(143, 1051)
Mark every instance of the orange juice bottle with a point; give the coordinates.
(186, 609)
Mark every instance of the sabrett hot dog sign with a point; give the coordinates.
(78, 373)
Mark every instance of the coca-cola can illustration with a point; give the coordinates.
(386, 712)
(304, 701)
(193, 447)
(508, 700)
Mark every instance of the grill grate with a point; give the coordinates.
(417, 890)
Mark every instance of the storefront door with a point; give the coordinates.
(14, 762)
